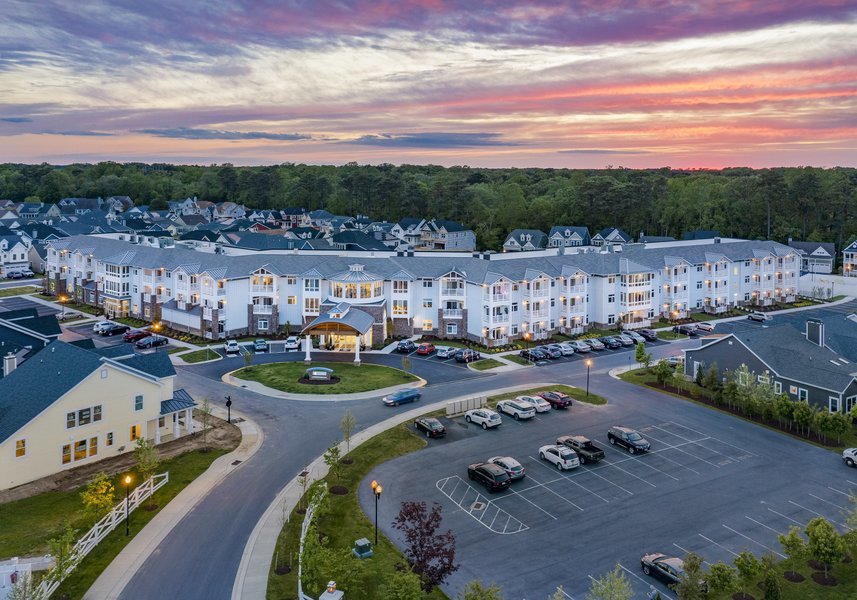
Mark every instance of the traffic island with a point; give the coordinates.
(295, 378)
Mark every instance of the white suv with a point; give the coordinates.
(483, 416)
(101, 326)
(231, 347)
(561, 457)
(293, 343)
(517, 410)
(849, 455)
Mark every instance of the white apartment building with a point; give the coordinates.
(489, 298)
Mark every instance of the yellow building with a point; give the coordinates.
(67, 406)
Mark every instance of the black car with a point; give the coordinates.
(533, 354)
(406, 347)
(466, 356)
(628, 438)
(492, 476)
(686, 329)
(666, 568)
(611, 342)
(650, 334)
(430, 426)
(153, 341)
(114, 329)
(550, 352)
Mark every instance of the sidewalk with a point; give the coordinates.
(255, 386)
(119, 572)
(251, 582)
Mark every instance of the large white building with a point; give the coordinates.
(490, 298)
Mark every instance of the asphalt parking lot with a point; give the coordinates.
(710, 484)
(21, 302)
(795, 319)
(85, 331)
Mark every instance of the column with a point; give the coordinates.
(189, 421)
(175, 425)
(307, 347)
(357, 349)
(157, 433)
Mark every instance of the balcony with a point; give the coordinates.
(494, 298)
(542, 292)
(500, 341)
(575, 290)
(540, 313)
(497, 319)
(263, 309)
(639, 324)
(221, 291)
(453, 313)
(574, 330)
(576, 309)
(261, 289)
(452, 291)
(637, 304)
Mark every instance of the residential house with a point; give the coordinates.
(568, 236)
(14, 254)
(849, 260)
(701, 234)
(440, 234)
(524, 240)
(611, 235)
(409, 230)
(815, 257)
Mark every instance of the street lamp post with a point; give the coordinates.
(63, 300)
(229, 409)
(588, 364)
(127, 492)
(376, 489)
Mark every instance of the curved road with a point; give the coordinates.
(199, 558)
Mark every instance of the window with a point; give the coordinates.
(66, 454)
(290, 280)
(292, 300)
(611, 280)
(262, 324)
(763, 379)
(451, 329)
(93, 446)
(311, 285)
(104, 373)
(70, 420)
(161, 421)
(746, 279)
(147, 312)
(138, 402)
(699, 285)
(611, 319)
(311, 305)
(427, 325)
(514, 307)
(553, 302)
(746, 296)
(400, 287)
(20, 448)
(699, 303)
(108, 440)
(84, 416)
(513, 330)
(699, 269)
(400, 307)
(426, 302)
(802, 394)
(833, 404)
(611, 298)
(80, 450)
(778, 387)
(427, 283)
(135, 432)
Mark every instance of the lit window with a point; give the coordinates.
(109, 439)
(135, 432)
(427, 325)
(80, 450)
(93, 446)
(66, 454)
(20, 448)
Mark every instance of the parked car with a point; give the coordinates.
(550, 352)
(533, 354)
(624, 339)
(566, 348)
(649, 334)
(537, 402)
(444, 351)
(638, 339)
(492, 476)
(673, 360)
(688, 329)
(430, 426)
(759, 317)
(406, 347)
(665, 568)
(580, 346)
(135, 334)
(27, 273)
(402, 397)
(152, 341)
(101, 326)
(586, 450)
(627, 438)
(705, 326)
(595, 344)
(115, 329)
(557, 348)
(849, 455)
(14, 275)
(231, 347)
(260, 345)
(484, 417)
(515, 469)
(466, 355)
(292, 342)
(610, 342)
(517, 410)
(425, 348)
(561, 457)
(556, 399)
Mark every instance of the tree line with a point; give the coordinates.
(800, 202)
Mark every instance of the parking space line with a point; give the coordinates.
(630, 493)
(763, 525)
(716, 544)
(827, 502)
(714, 438)
(513, 492)
(838, 491)
(754, 541)
(560, 496)
(677, 447)
(629, 473)
(816, 513)
(569, 479)
(637, 459)
(487, 505)
(634, 575)
(851, 482)
(785, 517)
(668, 459)
(686, 551)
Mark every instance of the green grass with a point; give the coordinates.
(485, 364)
(84, 308)
(838, 297)
(28, 524)
(176, 350)
(199, 356)
(576, 393)
(15, 291)
(345, 522)
(353, 379)
(515, 358)
(132, 322)
(845, 574)
(668, 334)
(704, 316)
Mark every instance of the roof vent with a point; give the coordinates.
(815, 332)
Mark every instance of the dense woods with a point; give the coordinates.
(804, 203)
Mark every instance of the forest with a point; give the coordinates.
(805, 203)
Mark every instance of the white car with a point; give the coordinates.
(561, 457)
(566, 348)
(231, 347)
(510, 465)
(101, 326)
(293, 342)
(849, 455)
(540, 404)
(705, 326)
(759, 317)
(580, 346)
(517, 410)
(444, 351)
(638, 339)
(483, 416)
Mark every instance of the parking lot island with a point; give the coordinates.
(291, 377)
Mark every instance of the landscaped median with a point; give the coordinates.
(485, 364)
(288, 377)
(576, 393)
(16, 291)
(198, 356)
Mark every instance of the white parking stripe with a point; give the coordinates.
(631, 474)
(686, 551)
(816, 513)
(851, 482)
(637, 460)
(838, 491)
(714, 438)
(513, 492)
(668, 459)
(676, 447)
(785, 517)
(826, 502)
(567, 478)
(558, 495)
(754, 541)
(716, 544)
(763, 525)
(592, 471)
(634, 575)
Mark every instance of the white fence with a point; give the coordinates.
(457, 407)
(98, 532)
(304, 527)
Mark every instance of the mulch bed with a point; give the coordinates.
(331, 381)
(346, 461)
(338, 490)
(793, 576)
(283, 570)
(820, 579)
(742, 596)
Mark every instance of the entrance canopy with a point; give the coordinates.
(342, 319)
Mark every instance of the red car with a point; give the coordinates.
(556, 399)
(425, 348)
(135, 335)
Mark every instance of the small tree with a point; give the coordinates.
(205, 419)
(722, 579)
(771, 581)
(98, 496)
(559, 594)
(825, 544)
(802, 416)
(611, 586)
(61, 547)
(793, 545)
(711, 379)
(749, 568)
(148, 458)
(691, 586)
(476, 590)
(403, 585)
(663, 372)
(287, 328)
(642, 357)
(23, 589)
(248, 357)
(431, 554)
(406, 364)
(347, 426)
(331, 458)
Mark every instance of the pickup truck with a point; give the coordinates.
(586, 450)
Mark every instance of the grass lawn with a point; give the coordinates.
(485, 364)
(84, 308)
(667, 334)
(835, 298)
(28, 524)
(176, 350)
(576, 393)
(199, 355)
(517, 359)
(345, 522)
(284, 377)
(15, 291)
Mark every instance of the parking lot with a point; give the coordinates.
(21, 302)
(710, 484)
(84, 330)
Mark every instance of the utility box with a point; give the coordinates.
(362, 548)
(331, 593)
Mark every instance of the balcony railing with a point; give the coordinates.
(262, 309)
(221, 291)
(452, 313)
(542, 292)
(637, 304)
(539, 313)
(495, 297)
(573, 290)
(501, 318)
(262, 289)
(451, 291)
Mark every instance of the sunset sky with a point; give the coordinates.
(575, 83)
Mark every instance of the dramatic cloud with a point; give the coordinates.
(16, 119)
(214, 134)
(433, 140)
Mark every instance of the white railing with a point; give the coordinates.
(641, 324)
(539, 313)
(262, 289)
(495, 297)
(262, 309)
(575, 289)
(542, 292)
(452, 313)
(576, 309)
(637, 304)
(501, 318)
(100, 531)
(451, 291)
(304, 528)
(574, 330)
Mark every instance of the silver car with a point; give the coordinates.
(537, 402)
(566, 348)
(444, 351)
(635, 336)
(624, 339)
(579, 346)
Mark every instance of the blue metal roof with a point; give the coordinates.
(181, 400)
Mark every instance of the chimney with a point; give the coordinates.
(815, 332)
(9, 364)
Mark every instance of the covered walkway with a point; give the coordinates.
(343, 325)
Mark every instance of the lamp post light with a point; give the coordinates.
(229, 409)
(588, 364)
(376, 489)
(127, 492)
(63, 300)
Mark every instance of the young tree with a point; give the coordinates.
(663, 372)
(559, 594)
(406, 364)
(784, 408)
(248, 357)
(643, 358)
(613, 585)
(331, 458)
(23, 589)
(205, 419)
(287, 328)
(148, 458)
(748, 567)
(771, 580)
(691, 586)
(825, 544)
(711, 379)
(476, 590)
(61, 547)
(347, 426)
(793, 545)
(802, 415)
(431, 554)
(722, 579)
(98, 496)
(403, 585)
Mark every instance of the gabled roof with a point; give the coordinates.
(700, 234)
(181, 400)
(534, 237)
(813, 248)
(614, 233)
(565, 231)
(157, 364)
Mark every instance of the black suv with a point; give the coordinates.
(492, 476)
(650, 334)
(406, 347)
(534, 354)
(114, 329)
(610, 342)
(466, 356)
(627, 438)
(687, 329)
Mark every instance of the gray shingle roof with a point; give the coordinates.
(157, 364)
(353, 318)
(181, 400)
(810, 247)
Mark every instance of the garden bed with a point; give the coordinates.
(285, 377)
